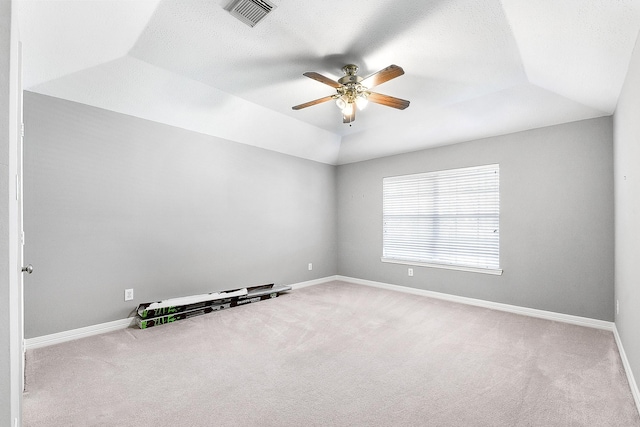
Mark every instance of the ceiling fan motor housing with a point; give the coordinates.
(350, 79)
(350, 71)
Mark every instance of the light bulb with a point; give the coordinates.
(341, 103)
(348, 109)
(361, 102)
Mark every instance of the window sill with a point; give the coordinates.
(496, 272)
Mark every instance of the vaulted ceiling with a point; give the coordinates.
(473, 68)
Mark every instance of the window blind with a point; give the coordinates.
(449, 217)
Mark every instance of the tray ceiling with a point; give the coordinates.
(473, 69)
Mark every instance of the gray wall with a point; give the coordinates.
(627, 208)
(5, 343)
(556, 219)
(115, 202)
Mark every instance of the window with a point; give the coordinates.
(447, 219)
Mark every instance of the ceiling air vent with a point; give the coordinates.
(251, 11)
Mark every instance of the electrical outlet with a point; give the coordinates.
(410, 272)
(128, 294)
(310, 266)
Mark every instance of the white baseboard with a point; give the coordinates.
(532, 312)
(125, 323)
(74, 334)
(295, 286)
(102, 328)
(627, 369)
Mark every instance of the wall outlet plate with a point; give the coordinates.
(310, 266)
(410, 272)
(128, 294)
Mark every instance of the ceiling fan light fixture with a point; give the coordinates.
(348, 109)
(342, 102)
(361, 101)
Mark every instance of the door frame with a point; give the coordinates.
(16, 329)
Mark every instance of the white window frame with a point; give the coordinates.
(466, 204)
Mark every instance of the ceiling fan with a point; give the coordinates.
(353, 91)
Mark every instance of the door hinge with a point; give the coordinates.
(22, 238)
(22, 130)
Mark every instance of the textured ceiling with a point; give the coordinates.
(472, 68)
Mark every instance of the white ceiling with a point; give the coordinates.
(472, 68)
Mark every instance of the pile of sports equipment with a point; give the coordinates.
(167, 311)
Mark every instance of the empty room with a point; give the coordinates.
(279, 213)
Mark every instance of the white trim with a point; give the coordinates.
(74, 334)
(14, 225)
(314, 282)
(60, 337)
(531, 312)
(497, 272)
(627, 369)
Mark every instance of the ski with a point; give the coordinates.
(178, 305)
(257, 293)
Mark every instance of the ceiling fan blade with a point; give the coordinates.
(387, 100)
(314, 102)
(322, 79)
(349, 117)
(384, 75)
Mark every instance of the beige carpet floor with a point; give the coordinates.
(335, 354)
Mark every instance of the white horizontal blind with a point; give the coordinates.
(447, 217)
